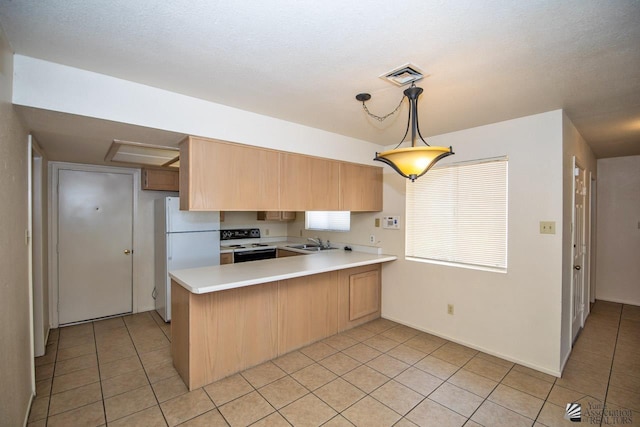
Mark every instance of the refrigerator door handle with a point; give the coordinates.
(169, 248)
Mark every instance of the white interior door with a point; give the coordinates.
(95, 239)
(579, 248)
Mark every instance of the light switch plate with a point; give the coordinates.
(547, 227)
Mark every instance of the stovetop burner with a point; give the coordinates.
(257, 245)
(235, 246)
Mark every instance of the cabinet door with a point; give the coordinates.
(307, 310)
(161, 180)
(360, 188)
(269, 215)
(222, 176)
(288, 216)
(308, 183)
(364, 294)
(359, 292)
(226, 258)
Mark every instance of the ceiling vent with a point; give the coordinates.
(403, 75)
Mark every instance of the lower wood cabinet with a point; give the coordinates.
(220, 333)
(359, 296)
(226, 258)
(307, 310)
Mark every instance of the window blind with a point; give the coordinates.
(328, 220)
(458, 214)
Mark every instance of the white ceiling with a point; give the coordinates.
(304, 61)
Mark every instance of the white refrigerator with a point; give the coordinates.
(183, 239)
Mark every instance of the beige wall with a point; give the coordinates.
(15, 346)
(618, 230)
(516, 315)
(573, 145)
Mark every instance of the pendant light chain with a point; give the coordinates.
(382, 118)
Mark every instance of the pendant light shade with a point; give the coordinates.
(412, 162)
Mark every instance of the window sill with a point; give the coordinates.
(459, 265)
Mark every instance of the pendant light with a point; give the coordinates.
(411, 162)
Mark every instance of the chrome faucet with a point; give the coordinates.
(317, 240)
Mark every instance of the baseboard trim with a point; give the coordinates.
(618, 301)
(565, 360)
(26, 416)
(479, 348)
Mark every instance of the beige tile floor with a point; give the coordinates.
(118, 372)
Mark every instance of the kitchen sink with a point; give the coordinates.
(310, 247)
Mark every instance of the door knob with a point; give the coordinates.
(577, 267)
(128, 251)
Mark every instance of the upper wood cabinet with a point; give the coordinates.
(309, 183)
(276, 216)
(160, 179)
(217, 176)
(360, 187)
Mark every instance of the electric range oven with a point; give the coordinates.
(248, 251)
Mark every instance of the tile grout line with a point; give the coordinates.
(545, 401)
(615, 345)
(484, 399)
(53, 374)
(52, 378)
(95, 343)
(145, 373)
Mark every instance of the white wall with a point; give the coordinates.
(15, 347)
(618, 230)
(516, 315)
(55, 87)
(573, 145)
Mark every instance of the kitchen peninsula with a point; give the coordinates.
(230, 317)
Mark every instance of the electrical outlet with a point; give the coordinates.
(266, 231)
(547, 227)
(372, 238)
(377, 223)
(450, 309)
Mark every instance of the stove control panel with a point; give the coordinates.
(240, 233)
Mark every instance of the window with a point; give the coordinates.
(457, 215)
(327, 220)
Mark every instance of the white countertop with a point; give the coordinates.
(229, 276)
